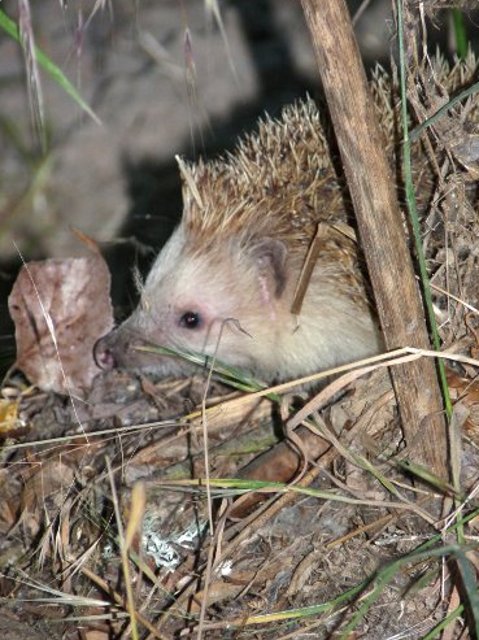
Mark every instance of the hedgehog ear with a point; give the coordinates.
(270, 256)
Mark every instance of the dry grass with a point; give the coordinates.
(344, 541)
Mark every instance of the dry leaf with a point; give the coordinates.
(60, 309)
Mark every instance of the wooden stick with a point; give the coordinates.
(372, 188)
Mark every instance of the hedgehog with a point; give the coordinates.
(225, 283)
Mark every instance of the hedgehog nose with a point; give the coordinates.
(103, 354)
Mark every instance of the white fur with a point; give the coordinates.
(244, 323)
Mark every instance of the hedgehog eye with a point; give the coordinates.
(190, 320)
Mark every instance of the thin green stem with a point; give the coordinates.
(411, 205)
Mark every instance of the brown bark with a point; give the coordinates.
(372, 188)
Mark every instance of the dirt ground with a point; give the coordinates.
(277, 563)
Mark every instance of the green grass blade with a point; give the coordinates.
(414, 218)
(11, 28)
(460, 34)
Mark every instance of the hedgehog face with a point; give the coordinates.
(225, 304)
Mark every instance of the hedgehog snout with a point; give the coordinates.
(103, 353)
(119, 348)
